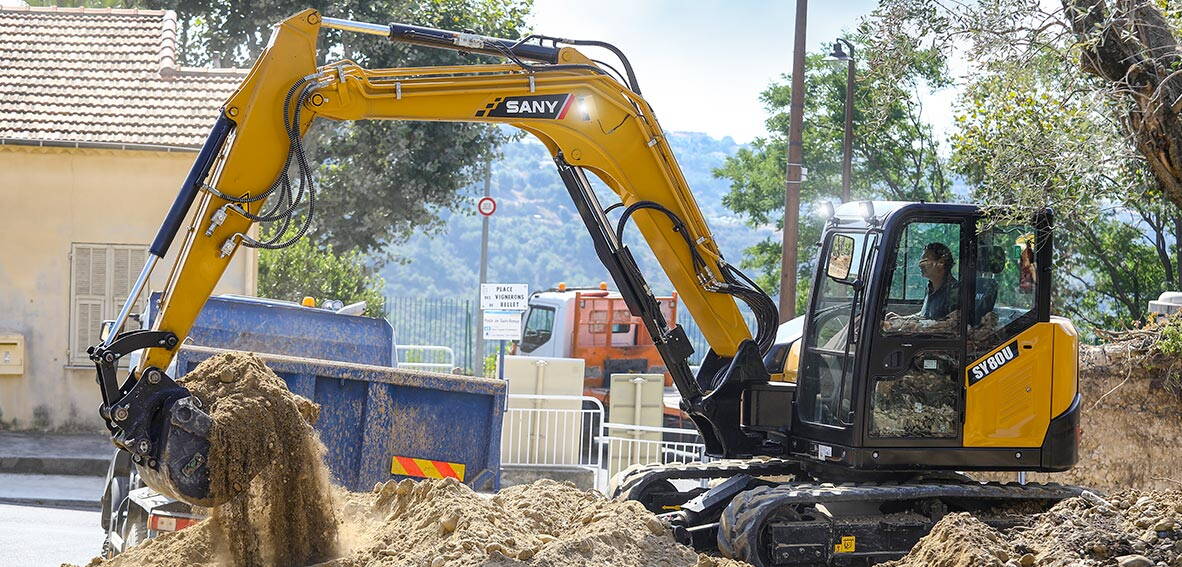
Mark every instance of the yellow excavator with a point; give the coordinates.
(840, 437)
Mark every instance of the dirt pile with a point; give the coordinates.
(286, 514)
(1129, 528)
(442, 523)
(436, 523)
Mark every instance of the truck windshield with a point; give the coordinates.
(539, 325)
(831, 340)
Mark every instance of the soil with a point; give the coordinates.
(918, 404)
(436, 523)
(264, 450)
(1126, 528)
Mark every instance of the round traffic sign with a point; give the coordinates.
(486, 206)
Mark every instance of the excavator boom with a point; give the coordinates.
(589, 121)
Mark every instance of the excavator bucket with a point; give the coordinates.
(160, 423)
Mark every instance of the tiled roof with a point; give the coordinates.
(103, 76)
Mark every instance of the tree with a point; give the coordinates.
(1133, 49)
(304, 269)
(895, 153)
(378, 182)
(1036, 129)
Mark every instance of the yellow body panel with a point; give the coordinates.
(791, 364)
(1066, 366)
(1011, 406)
(617, 138)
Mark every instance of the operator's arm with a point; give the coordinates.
(253, 169)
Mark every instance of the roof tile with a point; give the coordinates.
(103, 75)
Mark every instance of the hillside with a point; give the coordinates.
(536, 237)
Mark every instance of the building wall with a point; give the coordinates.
(51, 198)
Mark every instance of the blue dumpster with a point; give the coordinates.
(281, 327)
(370, 413)
(372, 418)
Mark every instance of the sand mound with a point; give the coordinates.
(444, 523)
(959, 540)
(1127, 528)
(287, 515)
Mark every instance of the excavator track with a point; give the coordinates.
(805, 522)
(649, 484)
(781, 525)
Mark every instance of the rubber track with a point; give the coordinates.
(631, 484)
(743, 520)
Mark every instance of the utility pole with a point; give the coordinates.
(478, 363)
(795, 157)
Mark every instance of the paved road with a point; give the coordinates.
(36, 537)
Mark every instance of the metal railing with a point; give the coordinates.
(455, 322)
(552, 432)
(559, 432)
(624, 445)
(434, 358)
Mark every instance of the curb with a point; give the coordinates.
(78, 466)
(86, 505)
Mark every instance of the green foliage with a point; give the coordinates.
(304, 269)
(1110, 272)
(1169, 340)
(894, 152)
(1034, 130)
(379, 182)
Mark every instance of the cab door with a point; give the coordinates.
(914, 391)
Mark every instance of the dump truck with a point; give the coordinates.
(345, 363)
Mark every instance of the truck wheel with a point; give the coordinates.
(137, 531)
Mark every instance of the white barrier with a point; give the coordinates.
(445, 357)
(624, 445)
(552, 432)
(558, 432)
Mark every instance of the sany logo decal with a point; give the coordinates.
(994, 361)
(553, 107)
(530, 106)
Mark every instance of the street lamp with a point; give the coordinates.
(837, 56)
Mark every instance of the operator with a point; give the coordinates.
(941, 302)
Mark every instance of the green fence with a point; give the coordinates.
(454, 323)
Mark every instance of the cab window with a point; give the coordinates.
(831, 342)
(1005, 286)
(539, 326)
(917, 390)
(924, 296)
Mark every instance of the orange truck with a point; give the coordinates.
(595, 325)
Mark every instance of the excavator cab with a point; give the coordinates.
(929, 344)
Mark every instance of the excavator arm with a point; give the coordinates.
(589, 121)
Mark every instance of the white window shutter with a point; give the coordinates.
(88, 318)
(87, 298)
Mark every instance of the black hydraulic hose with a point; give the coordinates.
(735, 282)
(632, 82)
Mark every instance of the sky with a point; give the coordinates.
(701, 64)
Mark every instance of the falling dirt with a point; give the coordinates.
(288, 514)
(283, 516)
(1128, 528)
(443, 523)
